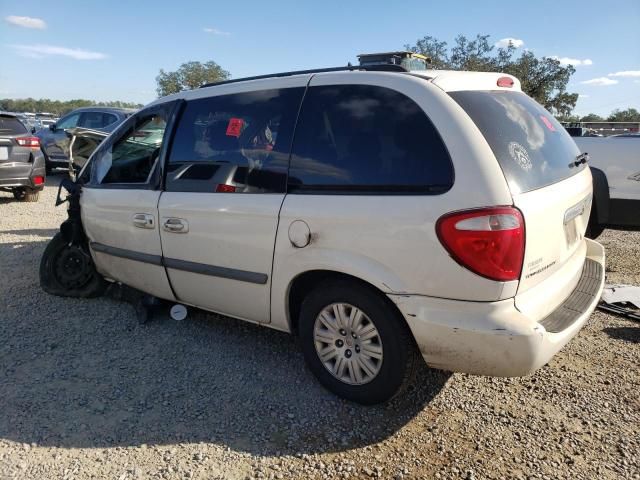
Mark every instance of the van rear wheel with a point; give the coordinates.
(356, 343)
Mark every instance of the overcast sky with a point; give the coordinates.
(113, 50)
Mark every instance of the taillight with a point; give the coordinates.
(33, 142)
(38, 180)
(223, 188)
(487, 241)
(506, 82)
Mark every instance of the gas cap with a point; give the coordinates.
(299, 234)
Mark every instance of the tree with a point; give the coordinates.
(190, 75)
(628, 115)
(592, 117)
(56, 106)
(543, 78)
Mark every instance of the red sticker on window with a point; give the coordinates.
(235, 127)
(547, 123)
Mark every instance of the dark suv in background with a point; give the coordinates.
(22, 169)
(55, 141)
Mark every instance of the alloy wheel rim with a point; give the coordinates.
(348, 343)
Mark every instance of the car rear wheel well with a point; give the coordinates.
(307, 281)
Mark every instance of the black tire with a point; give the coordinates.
(594, 229)
(399, 351)
(26, 194)
(68, 271)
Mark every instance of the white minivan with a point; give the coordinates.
(378, 215)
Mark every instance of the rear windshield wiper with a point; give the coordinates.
(580, 159)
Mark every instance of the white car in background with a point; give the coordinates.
(375, 214)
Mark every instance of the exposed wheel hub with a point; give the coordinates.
(73, 267)
(348, 343)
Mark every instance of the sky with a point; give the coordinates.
(113, 50)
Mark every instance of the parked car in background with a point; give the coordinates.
(615, 166)
(55, 142)
(46, 123)
(29, 121)
(22, 169)
(378, 215)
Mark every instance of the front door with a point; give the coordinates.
(119, 203)
(226, 180)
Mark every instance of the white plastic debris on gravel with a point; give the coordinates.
(86, 392)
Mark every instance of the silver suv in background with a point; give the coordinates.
(22, 170)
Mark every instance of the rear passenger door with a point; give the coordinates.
(225, 183)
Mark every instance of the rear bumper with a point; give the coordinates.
(20, 174)
(495, 338)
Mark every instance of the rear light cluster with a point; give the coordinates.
(33, 142)
(38, 180)
(487, 241)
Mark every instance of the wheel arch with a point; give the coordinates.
(304, 282)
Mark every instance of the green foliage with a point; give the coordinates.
(56, 106)
(571, 119)
(543, 78)
(628, 115)
(592, 117)
(190, 75)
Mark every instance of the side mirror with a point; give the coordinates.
(33, 129)
(52, 127)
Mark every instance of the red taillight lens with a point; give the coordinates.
(222, 188)
(33, 142)
(487, 241)
(506, 82)
(38, 180)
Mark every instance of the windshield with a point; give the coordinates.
(533, 149)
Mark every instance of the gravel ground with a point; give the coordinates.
(86, 392)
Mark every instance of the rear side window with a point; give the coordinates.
(11, 126)
(235, 143)
(366, 139)
(96, 119)
(533, 149)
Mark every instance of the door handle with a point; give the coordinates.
(143, 220)
(175, 225)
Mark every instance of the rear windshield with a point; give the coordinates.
(533, 149)
(11, 126)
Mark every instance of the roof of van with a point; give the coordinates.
(447, 80)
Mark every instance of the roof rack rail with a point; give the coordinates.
(368, 68)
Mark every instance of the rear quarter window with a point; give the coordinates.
(532, 148)
(369, 140)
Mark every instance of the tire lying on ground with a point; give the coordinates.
(67, 270)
